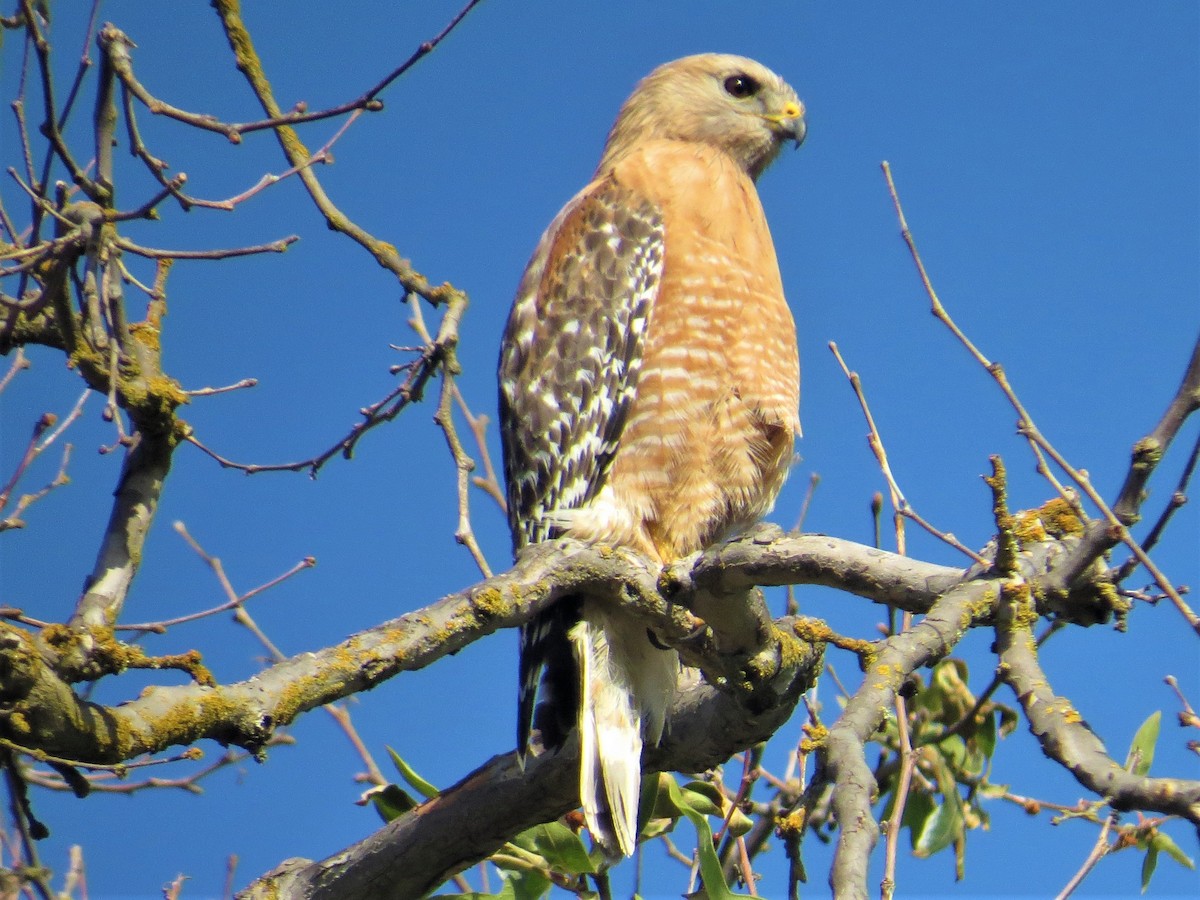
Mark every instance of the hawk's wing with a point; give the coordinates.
(569, 364)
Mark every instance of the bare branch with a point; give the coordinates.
(1103, 535)
(278, 246)
(433, 356)
(1062, 732)
(469, 821)
(247, 713)
(842, 755)
(250, 65)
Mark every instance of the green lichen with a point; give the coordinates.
(792, 824)
(1147, 453)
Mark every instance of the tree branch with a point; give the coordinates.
(1066, 737)
(54, 720)
(466, 823)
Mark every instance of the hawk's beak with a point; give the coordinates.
(790, 122)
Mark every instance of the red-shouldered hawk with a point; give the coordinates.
(649, 393)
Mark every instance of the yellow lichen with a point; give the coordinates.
(1028, 527)
(792, 824)
(815, 736)
(147, 335)
(1060, 519)
(489, 602)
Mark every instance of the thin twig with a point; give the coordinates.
(278, 246)
(1177, 500)
(1100, 849)
(899, 502)
(340, 715)
(447, 339)
(1029, 430)
(236, 386)
(478, 424)
(161, 627)
(1187, 717)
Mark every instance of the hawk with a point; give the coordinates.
(649, 394)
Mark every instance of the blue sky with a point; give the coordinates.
(1047, 156)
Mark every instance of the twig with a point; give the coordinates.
(1178, 500)
(899, 503)
(29, 828)
(118, 769)
(27, 500)
(116, 44)
(230, 870)
(1188, 716)
(278, 246)
(908, 760)
(76, 876)
(37, 445)
(339, 714)
(813, 480)
(19, 363)
(50, 127)
(250, 65)
(1187, 401)
(1100, 849)
(478, 424)
(384, 410)
(236, 386)
(447, 339)
(160, 627)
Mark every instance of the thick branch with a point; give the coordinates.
(134, 504)
(1066, 737)
(843, 755)
(770, 558)
(474, 818)
(246, 713)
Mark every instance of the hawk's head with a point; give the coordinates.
(729, 102)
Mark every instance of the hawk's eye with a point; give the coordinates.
(741, 86)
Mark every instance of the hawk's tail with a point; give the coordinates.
(625, 685)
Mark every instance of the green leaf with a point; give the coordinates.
(917, 810)
(521, 882)
(672, 796)
(946, 824)
(1149, 864)
(1163, 842)
(1141, 751)
(655, 821)
(954, 751)
(415, 781)
(516, 886)
(391, 801)
(704, 797)
(561, 847)
(985, 735)
(526, 885)
(940, 829)
(929, 697)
